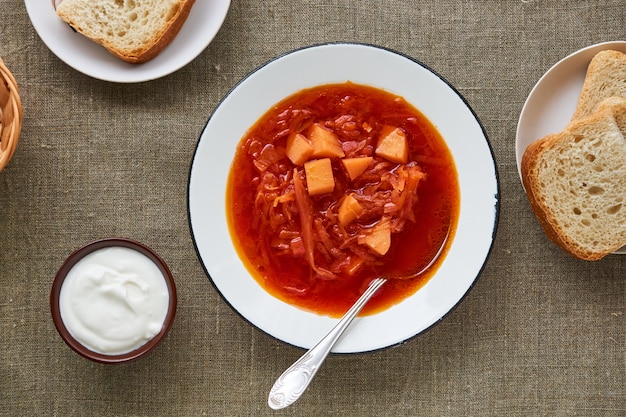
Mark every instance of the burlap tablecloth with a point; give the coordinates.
(540, 334)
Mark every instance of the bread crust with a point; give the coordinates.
(530, 167)
(605, 77)
(162, 37)
(547, 220)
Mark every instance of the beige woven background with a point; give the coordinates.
(540, 334)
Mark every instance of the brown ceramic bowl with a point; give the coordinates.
(56, 291)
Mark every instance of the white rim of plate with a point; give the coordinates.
(335, 63)
(552, 101)
(202, 25)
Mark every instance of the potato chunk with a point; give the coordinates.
(349, 210)
(392, 145)
(356, 166)
(379, 237)
(319, 176)
(325, 143)
(299, 148)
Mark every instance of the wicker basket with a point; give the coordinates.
(10, 115)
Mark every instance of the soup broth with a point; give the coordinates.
(336, 185)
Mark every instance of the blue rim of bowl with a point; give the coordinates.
(465, 102)
(76, 256)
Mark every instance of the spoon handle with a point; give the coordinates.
(294, 381)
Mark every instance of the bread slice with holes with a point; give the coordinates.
(576, 182)
(605, 77)
(133, 30)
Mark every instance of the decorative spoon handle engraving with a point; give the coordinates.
(294, 381)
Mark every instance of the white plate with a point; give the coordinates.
(205, 19)
(363, 64)
(551, 103)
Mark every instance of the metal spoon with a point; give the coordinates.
(295, 380)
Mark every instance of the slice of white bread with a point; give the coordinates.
(605, 77)
(133, 30)
(576, 182)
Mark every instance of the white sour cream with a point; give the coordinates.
(114, 300)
